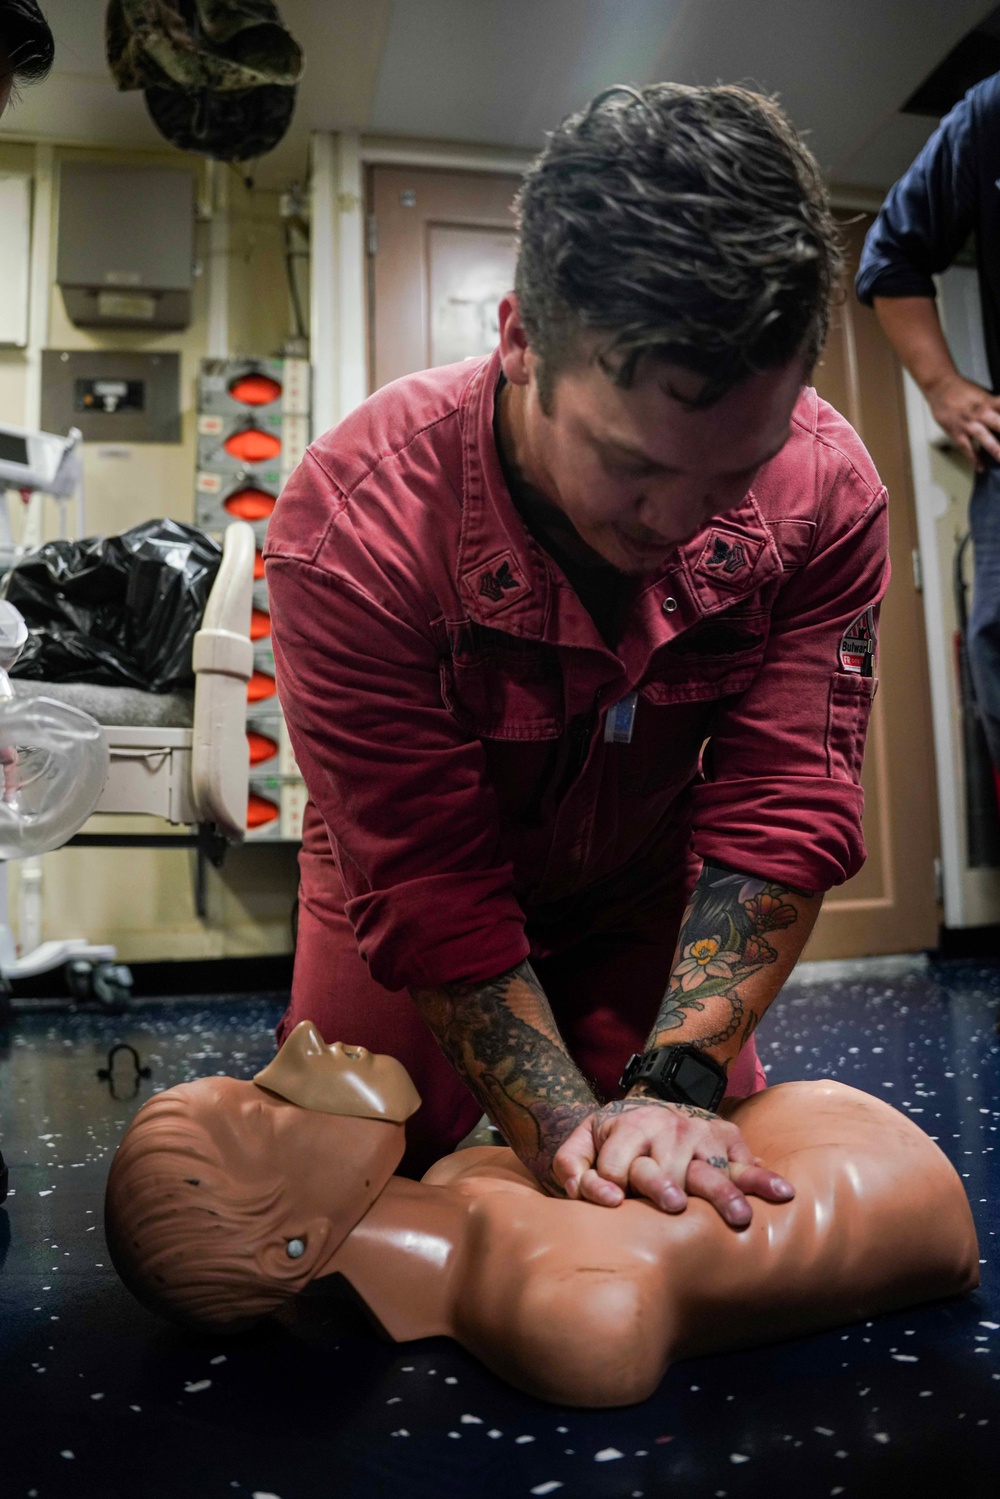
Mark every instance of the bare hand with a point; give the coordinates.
(663, 1151)
(970, 415)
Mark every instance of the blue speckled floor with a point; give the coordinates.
(99, 1399)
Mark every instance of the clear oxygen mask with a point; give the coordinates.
(54, 759)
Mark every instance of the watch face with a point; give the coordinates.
(698, 1083)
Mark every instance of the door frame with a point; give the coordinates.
(338, 321)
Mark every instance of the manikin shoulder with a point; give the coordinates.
(568, 1300)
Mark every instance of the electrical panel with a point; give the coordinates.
(112, 395)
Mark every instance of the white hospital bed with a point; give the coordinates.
(179, 756)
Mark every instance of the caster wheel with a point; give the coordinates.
(79, 975)
(112, 986)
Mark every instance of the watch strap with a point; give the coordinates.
(663, 1070)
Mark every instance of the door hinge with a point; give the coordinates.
(372, 231)
(938, 880)
(918, 570)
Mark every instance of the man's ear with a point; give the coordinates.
(298, 1253)
(515, 356)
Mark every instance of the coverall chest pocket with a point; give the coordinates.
(512, 692)
(719, 657)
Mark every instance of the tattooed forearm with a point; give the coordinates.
(501, 1037)
(739, 940)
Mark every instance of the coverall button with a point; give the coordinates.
(669, 605)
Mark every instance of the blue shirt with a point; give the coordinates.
(952, 188)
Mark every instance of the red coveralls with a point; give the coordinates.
(446, 695)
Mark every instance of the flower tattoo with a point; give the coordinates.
(724, 941)
(759, 951)
(703, 960)
(769, 913)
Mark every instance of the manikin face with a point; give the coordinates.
(326, 1163)
(636, 471)
(339, 1079)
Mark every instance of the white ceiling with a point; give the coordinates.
(502, 72)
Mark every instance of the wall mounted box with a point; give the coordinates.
(126, 245)
(112, 396)
(15, 257)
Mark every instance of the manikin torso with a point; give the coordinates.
(569, 1301)
(588, 1305)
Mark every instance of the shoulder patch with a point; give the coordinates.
(859, 644)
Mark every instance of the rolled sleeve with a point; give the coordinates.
(927, 216)
(413, 821)
(781, 794)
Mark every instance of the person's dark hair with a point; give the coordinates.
(26, 41)
(690, 225)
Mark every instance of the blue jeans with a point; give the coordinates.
(984, 618)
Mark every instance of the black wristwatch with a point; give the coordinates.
(678, 1074)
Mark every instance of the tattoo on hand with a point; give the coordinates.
(633, 1102)
(502, 1039)
(720, 1162)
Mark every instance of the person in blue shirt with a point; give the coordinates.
(952, 190)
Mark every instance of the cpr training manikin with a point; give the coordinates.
(228, 1198)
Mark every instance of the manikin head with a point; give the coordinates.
(227, 1197)
(677, 257)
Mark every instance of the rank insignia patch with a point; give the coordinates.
(729, 559)
(859, 644)
(729, 555)
(495, 585)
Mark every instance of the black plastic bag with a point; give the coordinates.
(120, 611)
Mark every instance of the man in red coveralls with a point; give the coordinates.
(576, 646)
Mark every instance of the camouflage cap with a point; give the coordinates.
(219, 76)
(197, 44)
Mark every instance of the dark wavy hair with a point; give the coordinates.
(27, 41)
(690, 225)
